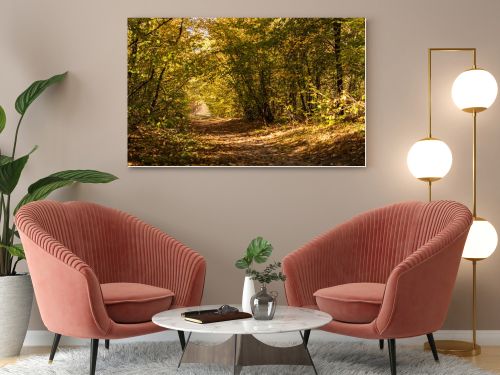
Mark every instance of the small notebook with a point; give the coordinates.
(210, 316)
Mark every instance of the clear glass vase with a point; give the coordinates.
(263, 304)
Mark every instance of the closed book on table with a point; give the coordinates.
(212, 317)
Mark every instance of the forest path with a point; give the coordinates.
(236, 142)
(239, 142)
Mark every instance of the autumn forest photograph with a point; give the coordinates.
(246, 91)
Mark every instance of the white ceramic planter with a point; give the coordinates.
(16, 298)
(248, 292)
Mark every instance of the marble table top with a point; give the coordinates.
(286, 319)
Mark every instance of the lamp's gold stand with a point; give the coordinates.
(429, 181)
(462, 348)
(455, 347)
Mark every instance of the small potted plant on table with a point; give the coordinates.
(263, 304)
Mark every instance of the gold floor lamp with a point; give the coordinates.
(430, 159)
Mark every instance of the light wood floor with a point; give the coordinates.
(488, 360)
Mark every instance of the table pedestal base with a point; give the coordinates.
(246, 350)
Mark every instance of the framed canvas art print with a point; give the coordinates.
(246, 92)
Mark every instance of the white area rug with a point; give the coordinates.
(161, 358)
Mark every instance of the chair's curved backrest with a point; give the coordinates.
(386, 236)
(379, 241)
(94, 233)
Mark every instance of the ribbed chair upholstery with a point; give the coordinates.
(385, 274)
(83, 258)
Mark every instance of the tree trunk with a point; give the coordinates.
(132, 58)
(339, 72)
(160, 78)
(266, 112)
(141, 85)
(157, 90)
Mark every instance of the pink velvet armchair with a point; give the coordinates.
(99, 273)
(385, 274)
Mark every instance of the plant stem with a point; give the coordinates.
(6, 237)
(13, 271)
(3, 252)
(5, 234)
(15, 137)
(12, 234)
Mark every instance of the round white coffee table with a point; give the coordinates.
(242, 348)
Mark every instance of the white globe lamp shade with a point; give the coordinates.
(429, 159)
(474, 90)
(481, 241)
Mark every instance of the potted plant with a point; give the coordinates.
(16, 291)
(258, 251)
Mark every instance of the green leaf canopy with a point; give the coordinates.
(29, 95)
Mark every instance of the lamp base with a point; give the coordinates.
(456, 348)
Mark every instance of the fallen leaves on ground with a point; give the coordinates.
(236, 142)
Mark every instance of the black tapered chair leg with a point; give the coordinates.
(432, 344)
(392, 355)
(94, 346)
(182, 339)
(381, 344)
(106, 344)
(307, 333)
(55, 344)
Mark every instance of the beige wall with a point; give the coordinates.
(82, 124)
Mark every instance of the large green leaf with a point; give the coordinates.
(42, 193)
(10, 172)
(242, 263)
(43, 187)
(3, 119)
(31, 93)
(88, 176)
(259, 250)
